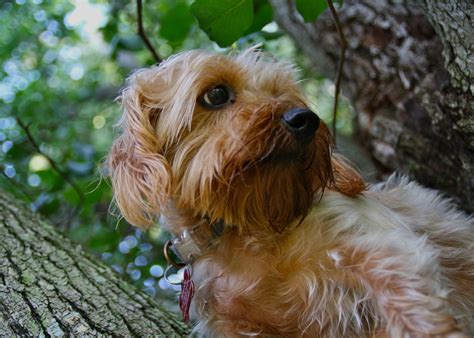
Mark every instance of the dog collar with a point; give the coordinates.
(192, 242)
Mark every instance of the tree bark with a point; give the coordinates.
(409, 73)
(50, 287)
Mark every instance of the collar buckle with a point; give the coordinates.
(191, 243)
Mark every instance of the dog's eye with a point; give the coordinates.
(217, 97)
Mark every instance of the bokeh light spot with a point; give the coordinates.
(89, 17)
(156, 271)
(34, 180)
(117, 268)
(149, 282)
(150, 290)
(40, 16)
(124, 247)
(131, 241)
(9, 171)
(77, 72)
(98, 121)
(144, 247)
(6, 146)
(135, 274)
(38, 162)
(141, 261)
(271, 27)
(163, 284)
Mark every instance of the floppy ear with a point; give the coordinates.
(347, 180)
(139, 172)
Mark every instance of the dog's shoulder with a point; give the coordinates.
(420, 205)
(399, 189)
(395, 180)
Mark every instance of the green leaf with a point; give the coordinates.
(49, 207)
(263, 14)
(311, 9)
(224, 21)
(110, 29)
(176, 23)
(104, 240)
(71, 196)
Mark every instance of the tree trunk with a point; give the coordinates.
(409, 73)
(50, 287)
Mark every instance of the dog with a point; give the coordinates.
(284, 237)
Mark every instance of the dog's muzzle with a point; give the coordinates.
(302, 123)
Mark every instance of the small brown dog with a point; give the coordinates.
(284, 237)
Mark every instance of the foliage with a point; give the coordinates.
(223, 21)
(63, 64)
(310, 10)
(226, 21)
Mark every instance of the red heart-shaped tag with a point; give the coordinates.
(187, 293)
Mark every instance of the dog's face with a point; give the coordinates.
(222, 137)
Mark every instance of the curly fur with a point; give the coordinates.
(309, 249)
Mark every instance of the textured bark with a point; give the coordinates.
(453, 22)
(415, 108)
(50, 287)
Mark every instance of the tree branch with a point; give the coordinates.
(34, 257)
(342, 56)
(55, 167)
(142, 34)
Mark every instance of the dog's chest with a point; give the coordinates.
(271, 287)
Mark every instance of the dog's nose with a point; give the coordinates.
(302, 122)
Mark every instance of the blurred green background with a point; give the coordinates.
(62, 65)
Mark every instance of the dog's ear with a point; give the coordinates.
(347, 180)
(139, 172)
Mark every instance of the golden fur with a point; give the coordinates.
(309, 250)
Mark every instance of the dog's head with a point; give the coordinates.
(224, 137)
